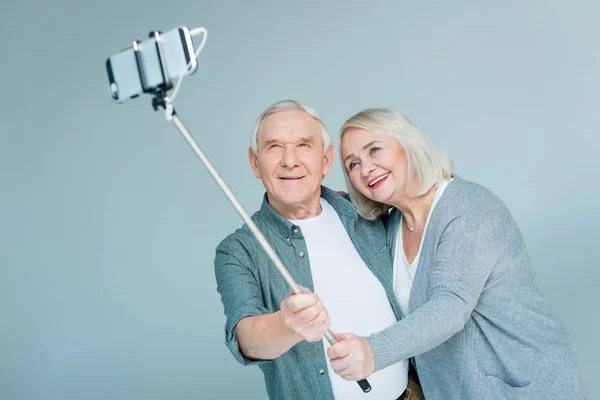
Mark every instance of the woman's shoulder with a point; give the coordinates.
(471, 207)
(461, 198)
(464, 197)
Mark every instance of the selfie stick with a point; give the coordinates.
(161, 100)
(364, 384)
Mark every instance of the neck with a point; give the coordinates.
(414, 209)
(297, 211)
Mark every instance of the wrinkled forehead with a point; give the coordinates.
(289, 126)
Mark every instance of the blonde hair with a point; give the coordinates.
(425, 162)
(288, 105)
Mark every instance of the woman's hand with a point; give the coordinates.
(351, 357)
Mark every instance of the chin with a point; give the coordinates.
(292, 196)
(295, 199)
(380, 197)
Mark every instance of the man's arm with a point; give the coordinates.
(265, 337)
(252, 332)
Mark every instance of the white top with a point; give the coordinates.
(354, 297)
(404, 272)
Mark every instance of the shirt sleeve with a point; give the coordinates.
(240, 292)
(467, 251)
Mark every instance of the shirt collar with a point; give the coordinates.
(287, 230)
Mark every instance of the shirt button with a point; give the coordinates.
(301, 254)
(321, 372)
(295, 229)
(287, 238)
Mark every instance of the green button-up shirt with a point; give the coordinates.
(250, 285)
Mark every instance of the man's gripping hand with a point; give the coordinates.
(305, 315)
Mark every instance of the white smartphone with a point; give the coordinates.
(151, 64)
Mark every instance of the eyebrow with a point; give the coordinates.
(305, 139)
(270, 142)
(364, 147)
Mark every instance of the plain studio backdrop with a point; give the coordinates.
(108, 221)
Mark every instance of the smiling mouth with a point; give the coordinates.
(378, 179)
(291, 178)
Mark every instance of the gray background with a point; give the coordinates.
(108, 222)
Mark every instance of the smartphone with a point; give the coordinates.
(153, 63)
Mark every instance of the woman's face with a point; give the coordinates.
(375, 164)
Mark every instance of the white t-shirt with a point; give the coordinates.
(404, 273)
(354, 297)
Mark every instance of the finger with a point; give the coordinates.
(311, 313)
(340, 366)
(318, 306)
(337, 352)
(290, 306)
(295, 303)
(326, 321)
(344, 336)
(338, 336)
(299, 302)
(346, 348)
(308, 322)
(350, 377)
(318, 325)
(332, 353)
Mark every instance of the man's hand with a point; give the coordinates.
(305, 315)
(351, 357)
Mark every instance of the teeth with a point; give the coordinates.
(378, 179)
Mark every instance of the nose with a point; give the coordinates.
(366, 167)
(290, 157)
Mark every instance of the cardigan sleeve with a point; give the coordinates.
(467, 251)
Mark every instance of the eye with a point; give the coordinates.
(352, 165)
(374, 150)
(274, 146)
(303, 145)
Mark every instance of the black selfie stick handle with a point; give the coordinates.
(364, 385)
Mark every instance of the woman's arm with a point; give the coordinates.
(467, 251)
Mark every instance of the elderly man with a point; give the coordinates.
(328, 249)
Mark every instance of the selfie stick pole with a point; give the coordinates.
(159, 100)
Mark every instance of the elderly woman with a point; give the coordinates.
(474, 323)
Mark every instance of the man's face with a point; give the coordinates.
(290, 159)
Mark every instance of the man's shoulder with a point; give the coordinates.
(242, 237)
(339, 201)
(342, 204)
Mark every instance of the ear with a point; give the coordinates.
(328, 160)
(253, 163)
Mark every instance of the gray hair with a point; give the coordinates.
(288, 105)
(427, 163)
